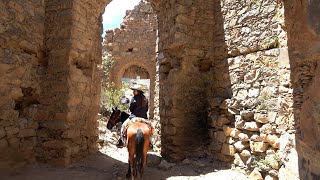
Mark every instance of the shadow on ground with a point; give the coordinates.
(101, 166)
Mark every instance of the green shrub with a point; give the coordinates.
(261, 164)
(110, 98)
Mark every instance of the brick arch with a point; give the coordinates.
(118, 75)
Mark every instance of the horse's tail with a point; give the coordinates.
(139, 149)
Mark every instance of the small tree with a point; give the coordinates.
(110, 98)
(107, 63)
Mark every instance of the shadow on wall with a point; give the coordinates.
(303, 28)
(220, 85)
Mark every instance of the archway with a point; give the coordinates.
(136, 72)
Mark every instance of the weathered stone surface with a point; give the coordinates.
(215, 146)
(225, 158)
(273, 140)
(270, 177)
(261, 118)
(245, 153)
(243, 137)
(287, 174)
(165, 165)
(228, 149)
(11, 130)
(237, 160)
(273, 161)
(255, 174)
(2, 132)
(258, 137)
(230, 140)
(227, 130)
(222, 121)
(185, 162)
(27, 133)
(170, 130)
(247, 115)
(251, 126)
(241, 145)
(220, 136)
(235, 133)
(267, 129)
(3, 144)
(258, 146)
(153, 159)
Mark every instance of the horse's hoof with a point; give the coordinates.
(128, 175)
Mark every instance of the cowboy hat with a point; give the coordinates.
(137, 87)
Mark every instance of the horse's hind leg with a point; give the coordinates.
(129, 170)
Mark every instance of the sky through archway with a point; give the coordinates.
(115, 12)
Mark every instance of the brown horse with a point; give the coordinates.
(137, 139)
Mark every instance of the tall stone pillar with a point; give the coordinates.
(184, 57)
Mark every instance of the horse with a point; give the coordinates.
(137, 140)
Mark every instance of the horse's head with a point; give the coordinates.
(114, 118)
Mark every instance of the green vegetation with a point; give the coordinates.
(267, 62)
(261, 164)
(262, 107)
(110, 98)
(270, 42)
(110, 95)
(265, 95)
(107, 64)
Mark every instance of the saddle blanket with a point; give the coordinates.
(128, 122)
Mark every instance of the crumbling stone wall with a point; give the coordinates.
(303, 44)
(70, 90)
(49, 80)
(21, 58)
(185, 58)
(252, 108)
(50, 85)
(133, 44)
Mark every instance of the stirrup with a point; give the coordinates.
(150, 146)
(120, 144)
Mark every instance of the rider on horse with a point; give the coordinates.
(138, 108)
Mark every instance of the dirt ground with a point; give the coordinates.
(111, 163)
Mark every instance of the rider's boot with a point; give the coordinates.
(150, 144)
(120, 143)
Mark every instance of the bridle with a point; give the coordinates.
(117, 119)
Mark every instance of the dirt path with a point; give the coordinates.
(111, 164)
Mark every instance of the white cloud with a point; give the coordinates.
(115, 11)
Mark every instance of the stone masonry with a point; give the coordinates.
(251, 110)
(132, 47)
(251, 66)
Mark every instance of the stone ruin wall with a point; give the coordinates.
(21, 57)
(49, 74)
(133, 44)
(251, 110)
(303, 42)
(184, 54)
(263, 115)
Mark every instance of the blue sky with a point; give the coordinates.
(115, 11)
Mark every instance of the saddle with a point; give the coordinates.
(136, 119)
